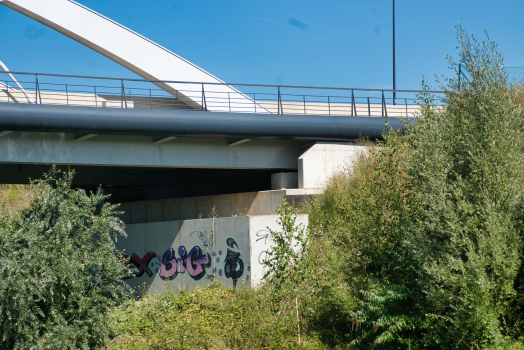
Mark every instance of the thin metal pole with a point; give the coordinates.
(353, 104)
(229, 101)
(7, 92)
(369, 108)
(67, 95)
(254, 101)
(122, 95)
(96, 100)
(279, 105)
(304, 96)
(406, 101)
(329, 106)
(394, 68)
(38, 90)
(383, 101)
(204, 107)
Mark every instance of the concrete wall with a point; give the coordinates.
(227, 205)
(323, 160)
(179, 255)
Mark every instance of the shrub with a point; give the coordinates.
(468, 171)
(59, 270)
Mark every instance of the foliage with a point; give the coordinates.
(285, 259)
(59, 270)
(208, 318)
(467, 168)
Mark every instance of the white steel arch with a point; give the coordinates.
(132, 51)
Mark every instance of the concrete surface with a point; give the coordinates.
(322, 160)
(227, 205)
(284, 180)
(226, 250)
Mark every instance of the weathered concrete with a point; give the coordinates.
(128, 150)
(321, 161)
(228, 205)
(284, 180)
(227, 250)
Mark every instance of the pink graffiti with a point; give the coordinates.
(195, 263)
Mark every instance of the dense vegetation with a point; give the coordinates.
(418, 244)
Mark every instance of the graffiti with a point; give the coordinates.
(263, 235)
(207, 240)
(234, 266)
(194, 262)
(142, 264)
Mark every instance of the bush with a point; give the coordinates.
(468, 171)
(59, 270)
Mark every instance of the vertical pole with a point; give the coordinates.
(353, 104)
(329, 106)
(122, 95)
(406, 100)
(279, 105)
(304, 96)
(254, 101)
(67, 95)
(203, 99)
(383, 101)
(229, 101)
(394, 68)
(369, 108)
(39, 97)
(7, 92)
(96, 100)
(460, 72)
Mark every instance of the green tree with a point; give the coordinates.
(59, 269)
(467, 170)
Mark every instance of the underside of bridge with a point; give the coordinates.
(126, 184)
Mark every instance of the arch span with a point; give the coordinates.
(131, 50)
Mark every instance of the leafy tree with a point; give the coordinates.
(59, 269)
(467, 170)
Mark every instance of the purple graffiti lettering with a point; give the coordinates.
(142, 264)
(197, 262)
(168, 265)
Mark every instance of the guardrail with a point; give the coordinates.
(88, 91)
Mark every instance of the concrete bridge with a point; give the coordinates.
(199, 165)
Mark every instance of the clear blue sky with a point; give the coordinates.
(338, 43)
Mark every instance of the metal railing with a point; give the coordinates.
(73, 90)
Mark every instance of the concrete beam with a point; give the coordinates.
(140, 151)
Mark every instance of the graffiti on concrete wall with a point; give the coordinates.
(193, 262)
(234, 266)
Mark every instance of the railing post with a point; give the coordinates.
(67, 95)
(406, 102)
(96, 100)
(122, 95)
(369, 108)
(329, 106)
(254, 100)
(353, 104)
(229, 101)
(37, 91)
(279, 104)
(382, 102)
(304, 96)
(204, 107)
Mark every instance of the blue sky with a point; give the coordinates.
(317, 43)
